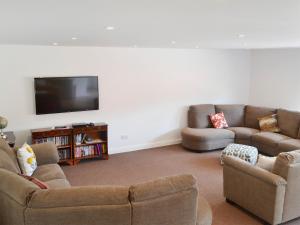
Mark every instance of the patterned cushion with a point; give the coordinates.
(26, 159)
(269, 123)
(218, 120)
(245, 152)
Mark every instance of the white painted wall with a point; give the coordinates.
(144, 93)
(275, 78)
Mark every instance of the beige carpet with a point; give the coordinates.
(140, 166)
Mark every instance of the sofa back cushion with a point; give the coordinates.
(11, 153)
(288, 122)
(198, 115)
(252, 113)
(165, 200)
(234, 114)
(6, 162)
(287, 165)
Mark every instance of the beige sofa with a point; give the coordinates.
(166, 201)
(243, 129)
(271, 195)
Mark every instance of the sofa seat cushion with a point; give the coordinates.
(243, 132)
(207, 134)
(289, 145)
(49, 172)
(206, 139)
(58, 183)
(269, 138)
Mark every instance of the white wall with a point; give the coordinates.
(144, 93)
(275, 78)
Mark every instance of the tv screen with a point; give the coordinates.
(66, 94)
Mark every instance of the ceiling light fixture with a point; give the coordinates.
(74, 38)
(173, 42)
(110, 28)
(241, 35)
(55, 43)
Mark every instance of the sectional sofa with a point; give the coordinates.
(243, 129)
(169, 201)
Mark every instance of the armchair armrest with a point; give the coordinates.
(46, 153)
(257, 190)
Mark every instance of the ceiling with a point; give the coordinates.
(152, 23)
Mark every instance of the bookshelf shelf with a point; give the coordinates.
(67, 139)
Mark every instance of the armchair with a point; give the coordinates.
(272, 196)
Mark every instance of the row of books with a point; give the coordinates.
(98, 149)
(78, 138)
(60, 140)
(64, 154)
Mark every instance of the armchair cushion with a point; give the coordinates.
(46, 153)
(266, 162)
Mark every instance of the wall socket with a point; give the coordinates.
(124, 137)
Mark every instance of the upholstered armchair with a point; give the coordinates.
(271, 194)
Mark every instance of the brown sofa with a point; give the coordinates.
(272, 195)
(166, 201)
(243, 129)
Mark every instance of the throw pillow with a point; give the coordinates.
(26, 159)
(265, 162)
(36, 181)
(218, 120)
(269, 123)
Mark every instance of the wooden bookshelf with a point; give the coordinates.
(76, 144)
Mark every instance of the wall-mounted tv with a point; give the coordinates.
(66, 94)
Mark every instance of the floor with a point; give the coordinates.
(144, 165)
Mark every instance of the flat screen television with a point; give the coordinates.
(66, 94)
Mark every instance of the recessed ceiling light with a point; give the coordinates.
(55, 43)
(110, 28)
(241, 35)
(173, 42)
(74, 38)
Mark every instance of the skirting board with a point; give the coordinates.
(132, 148)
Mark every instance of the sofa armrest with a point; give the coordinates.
(90, 205)
(46, 153)
(79, 196)
(257, 190)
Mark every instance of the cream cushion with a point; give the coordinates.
(266, 162)
(26, 159)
